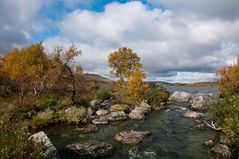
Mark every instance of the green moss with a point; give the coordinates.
(120, 107)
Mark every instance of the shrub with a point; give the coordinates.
(156, 95)
(102, 93)
(47, 102)
(225, 112)
(72, 115)
(14, 141)
(42, 119)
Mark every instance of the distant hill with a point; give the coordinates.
(96, 78)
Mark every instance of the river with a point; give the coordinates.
(173, 136)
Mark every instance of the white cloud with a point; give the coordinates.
(167, 42)
(188, 77)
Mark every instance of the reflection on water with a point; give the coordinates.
(173, 137)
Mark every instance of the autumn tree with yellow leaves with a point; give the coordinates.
(26, 67)
(229, 78)
(125, 63)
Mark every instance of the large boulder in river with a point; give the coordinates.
(222, 151)
(180, 97)
(131, 137)
(199, 101)
(140, 111)
(137, 114)
(49, 151)
(116, 116)
(192, 114)
(91, 149)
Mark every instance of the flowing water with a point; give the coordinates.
(173, 136)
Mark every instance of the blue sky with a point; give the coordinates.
(178, 41)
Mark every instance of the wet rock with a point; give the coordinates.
(198, 121)
(49, 151)
(131, 137)
(119, 107)
(140, 111)
(88, 128)
(91, 149)
(145, 107)
(116, 116)
(222, 151)
(137, 114)
(209, 143)
(200, 126)
(100, 121)
(192, 114)
(102, 112)
(199, 101)
(180, 97)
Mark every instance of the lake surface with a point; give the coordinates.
(173, 136)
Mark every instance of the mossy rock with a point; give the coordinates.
(120, 107)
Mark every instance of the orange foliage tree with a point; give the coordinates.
(229, 78)
(125, 63)
(27, 67)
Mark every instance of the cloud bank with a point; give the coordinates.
(181, 41)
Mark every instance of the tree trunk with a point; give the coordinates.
(73, 89)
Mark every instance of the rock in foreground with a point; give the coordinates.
(180, 97)
(192, 114)
(222, 151)
(91, 149)
(131, 137)
(49, 151)
(209, 143)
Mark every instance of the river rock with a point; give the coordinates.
(96, 103)
(49, 151)
(199, 101)
(145, 107)
(222, 151)
(180, 97)
(119, 107)
(91, 149)
(100, 121)
(131, 137)
(102, 112)
(192, 114)
(209, 143)
(137, 114)
(140, 111)
(106, 104)
(116, 116)
(87, 128)
(224, 140)
(200, 126)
